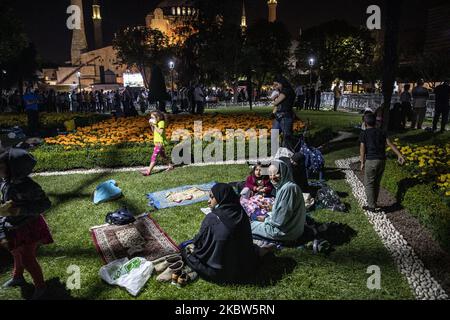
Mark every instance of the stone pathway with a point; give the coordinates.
(422, 282)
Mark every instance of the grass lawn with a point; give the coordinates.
(296, 274)
(292, 274)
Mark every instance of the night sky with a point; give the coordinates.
(45, 20)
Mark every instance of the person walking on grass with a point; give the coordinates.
(373, 143)
(158, 125)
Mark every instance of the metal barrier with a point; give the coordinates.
(360, 102)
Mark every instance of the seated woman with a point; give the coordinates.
(223, 250)
(287, 219)
(299, 171)
(256, 196)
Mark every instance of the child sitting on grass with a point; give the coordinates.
(22, 226)
(158, 126)
(256, 196)
(257, 183)
(373, 143)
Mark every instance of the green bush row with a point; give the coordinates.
(55, 158)
(424, 203)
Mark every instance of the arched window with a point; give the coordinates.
(184, 11)
(179, 11)
(174, 11)
(189, 11)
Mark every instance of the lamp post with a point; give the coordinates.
(172, 67)
(79, 80)
(311, 65)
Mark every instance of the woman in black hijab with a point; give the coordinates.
(223, 249)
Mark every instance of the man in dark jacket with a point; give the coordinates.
(442, 105)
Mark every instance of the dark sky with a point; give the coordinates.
(45, 20)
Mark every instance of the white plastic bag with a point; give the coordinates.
(130, 274)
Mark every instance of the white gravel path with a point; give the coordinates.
(132, 169)
(424, 286)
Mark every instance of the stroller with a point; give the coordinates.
(314, 160)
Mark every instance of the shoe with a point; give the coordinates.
(162, 259)
(175, 276)
(38, 293)
(191, 274)
(15, 282)
(182, 280)
(166, 263)
(166, 276)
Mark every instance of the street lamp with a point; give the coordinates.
(311, 65)
(172, 67)
(79, 80)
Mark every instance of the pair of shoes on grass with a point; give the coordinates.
(182, 277)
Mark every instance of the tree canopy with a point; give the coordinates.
(339, 50)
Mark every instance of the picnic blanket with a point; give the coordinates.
(143, 238)
(180, 196)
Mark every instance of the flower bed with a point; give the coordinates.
(136, 130)
(429, 164)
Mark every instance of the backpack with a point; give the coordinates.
(314, 161)
(327, 198)
(120, 217)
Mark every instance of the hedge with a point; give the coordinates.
(55, 158)
(422, 201)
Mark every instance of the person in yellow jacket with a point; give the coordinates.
(158, 126)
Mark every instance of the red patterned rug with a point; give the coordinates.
(143, 238)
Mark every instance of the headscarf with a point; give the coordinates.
(229, 209)
(284, 169)
(20, 163)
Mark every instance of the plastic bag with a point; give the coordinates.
(130, 274)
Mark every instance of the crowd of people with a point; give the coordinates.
(413, 107)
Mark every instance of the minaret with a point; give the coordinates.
(97, 20)
(243, 18)
(272, 10)
(79, 43)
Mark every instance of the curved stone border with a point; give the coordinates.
(424, 286)
(111, 170)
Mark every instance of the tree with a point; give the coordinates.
(266, 51)
(339, 49)
(13, 38)
(141, 47)
(390, 57)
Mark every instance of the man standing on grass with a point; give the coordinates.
(420, 95)
(30, 100)
(442, 107)
(373, 143)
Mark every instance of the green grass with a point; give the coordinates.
(293, 274)
(297, 274)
